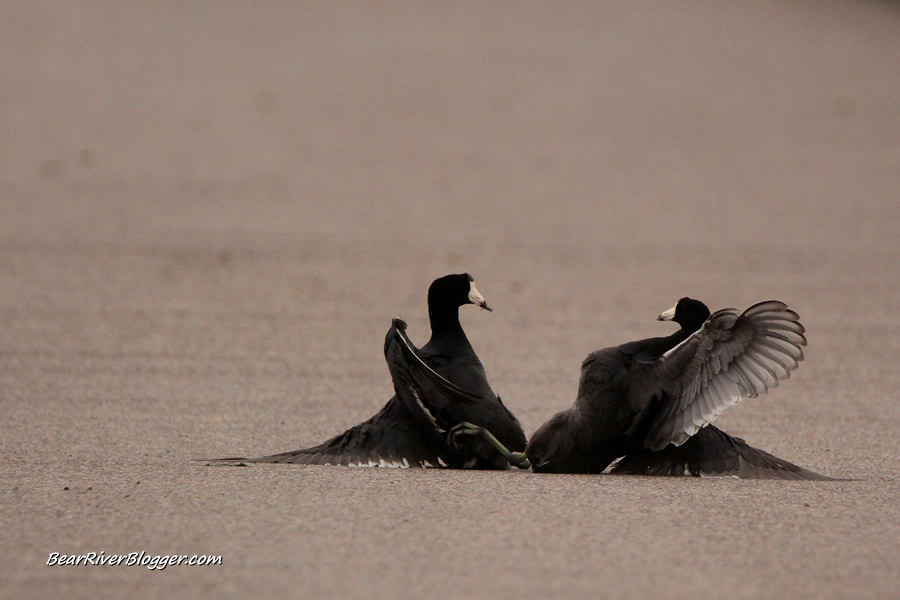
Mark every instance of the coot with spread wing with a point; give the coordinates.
(411, 430)
(651, 403)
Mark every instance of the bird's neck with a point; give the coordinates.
(652, 348)
(678, 337)
(444, 321)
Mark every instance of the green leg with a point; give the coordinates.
(516, 459)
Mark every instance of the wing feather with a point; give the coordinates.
(430, 398)
(732, 357)
(714, 453)
(392, 437)
(747, 379)
(769, 379)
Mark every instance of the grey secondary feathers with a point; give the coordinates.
(730, 358)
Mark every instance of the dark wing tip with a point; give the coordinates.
(714, 453)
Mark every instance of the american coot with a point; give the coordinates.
(423, 391)
(652, 401)
(406, 433)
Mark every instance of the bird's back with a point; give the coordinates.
(462, 367)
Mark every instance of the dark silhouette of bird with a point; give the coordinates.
(411, 430)
(651, 403)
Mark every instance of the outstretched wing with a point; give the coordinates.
(713, 453)
(428, 396)
(390, 438)
(733, 356)
(407, 432)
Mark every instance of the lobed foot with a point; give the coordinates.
(516, 459)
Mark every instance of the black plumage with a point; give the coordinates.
(688, 313)
(712, 452)
(419, 386)
(410, 430)
(655, 411)
(651, 403)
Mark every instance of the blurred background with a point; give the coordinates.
(536, 123)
